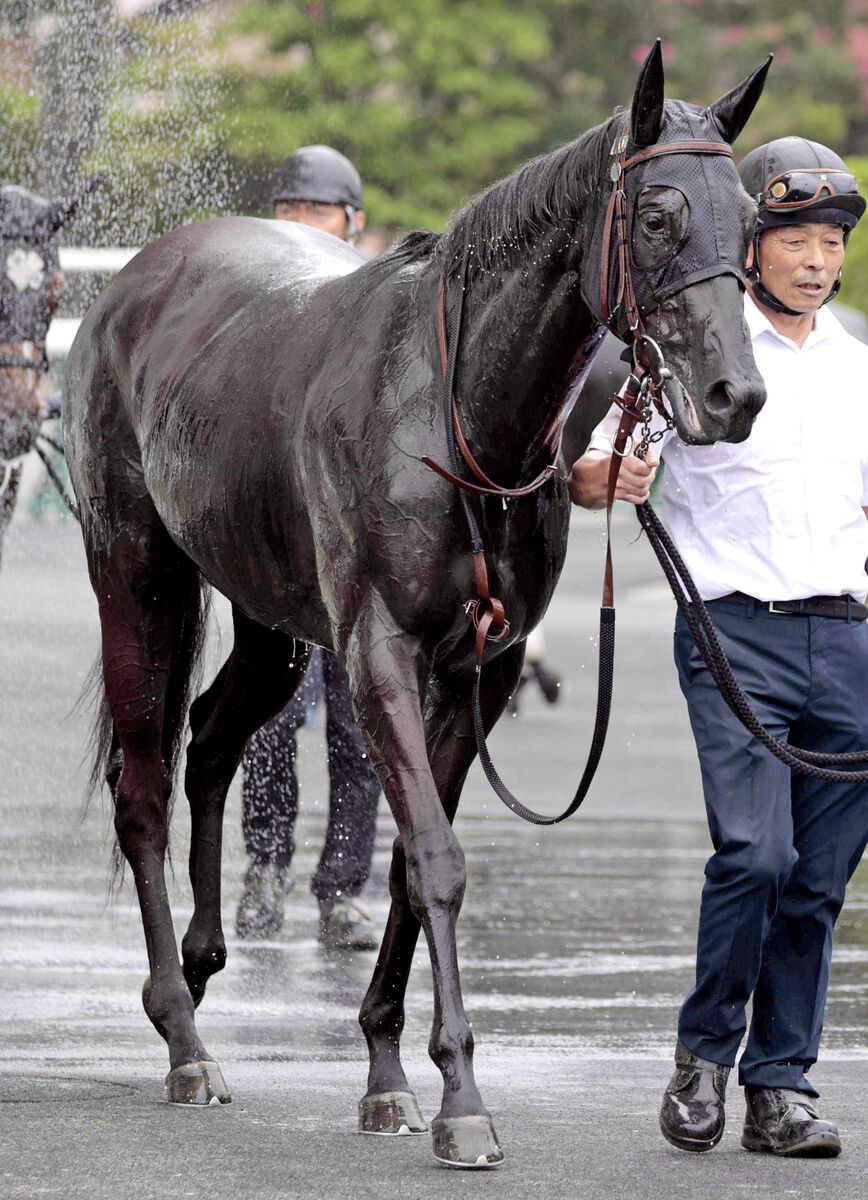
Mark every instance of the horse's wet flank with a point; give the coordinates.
(247, 406)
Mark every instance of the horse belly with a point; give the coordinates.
(245, 529)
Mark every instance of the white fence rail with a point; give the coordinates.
(80, 260)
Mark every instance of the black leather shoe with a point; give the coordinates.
(692, 1116)
(260, 909)
(783, 1121)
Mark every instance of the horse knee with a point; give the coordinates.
(436, 876)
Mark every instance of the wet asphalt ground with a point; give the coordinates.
(576, 945)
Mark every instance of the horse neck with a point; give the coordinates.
(520, 335)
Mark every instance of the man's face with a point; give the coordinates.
(799, 263)
(330, 218)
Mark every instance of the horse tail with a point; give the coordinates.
(185, 673)
(193, 598)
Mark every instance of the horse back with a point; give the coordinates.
(187, 379)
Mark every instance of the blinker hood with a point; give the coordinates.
(29, 258)
(713, 240)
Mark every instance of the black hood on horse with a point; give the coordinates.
(711, 240)
(31, 284)
(29, 260)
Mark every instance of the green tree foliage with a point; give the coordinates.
(187, 113)
(854, 289)
(432, 99)
(137, 103)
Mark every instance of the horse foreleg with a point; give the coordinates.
(256, 681)
(389, 1106)
(385, 678)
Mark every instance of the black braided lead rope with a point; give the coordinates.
(701, 626)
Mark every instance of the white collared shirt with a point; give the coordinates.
(778, 516)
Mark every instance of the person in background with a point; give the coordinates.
(774, 532)
(316, 186)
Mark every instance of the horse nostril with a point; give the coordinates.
(720, 399)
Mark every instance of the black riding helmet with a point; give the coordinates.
(318, 173)
(796, 182)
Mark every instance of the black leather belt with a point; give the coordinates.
(844, 608)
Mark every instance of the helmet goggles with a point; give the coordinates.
(791, 190)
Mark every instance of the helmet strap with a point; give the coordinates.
(352, 231)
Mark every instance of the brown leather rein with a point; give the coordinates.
(644, 387)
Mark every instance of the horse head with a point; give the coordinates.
(31, 285)
(666, 258)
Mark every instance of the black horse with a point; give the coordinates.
(247, 405)
(31, 285)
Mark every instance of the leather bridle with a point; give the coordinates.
(20, 361)
(615, 225)
(644, 387)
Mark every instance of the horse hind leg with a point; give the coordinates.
(256, 681)
(138, 581)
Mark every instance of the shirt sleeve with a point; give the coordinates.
(604, 434)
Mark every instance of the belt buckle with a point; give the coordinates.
(782, 612)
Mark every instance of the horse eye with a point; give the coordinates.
(654, 223)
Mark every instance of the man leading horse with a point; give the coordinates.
(774, 532)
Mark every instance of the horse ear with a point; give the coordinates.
(731, 112)
(646, 115)
(60, 211)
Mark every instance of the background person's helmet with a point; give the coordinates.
(797, 182)
(318, 173)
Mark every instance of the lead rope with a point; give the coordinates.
(606, 669)
(701, 626)
(487, 611)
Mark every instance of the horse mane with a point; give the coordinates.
(510, 214)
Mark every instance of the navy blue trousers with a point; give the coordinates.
(269, 787)
(785, 845)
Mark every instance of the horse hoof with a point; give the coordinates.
(466, 1142)
(391, 1114)
(197, 1083)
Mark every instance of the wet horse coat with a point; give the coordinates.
(247, 404)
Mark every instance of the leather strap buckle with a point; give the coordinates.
(471, 607)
